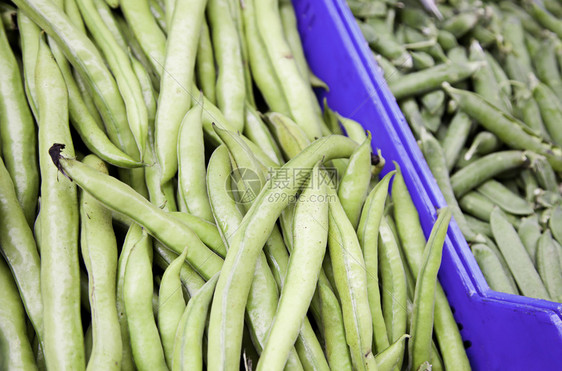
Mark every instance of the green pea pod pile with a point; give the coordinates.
(480, 85)
(173, 197)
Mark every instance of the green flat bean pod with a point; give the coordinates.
(171, 306)
(99, 251)
(420, 346)
(175, 84)
(17, 131)
(60, 284)
(15, 348)
(188, 346)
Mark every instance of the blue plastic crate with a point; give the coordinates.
(500, 331)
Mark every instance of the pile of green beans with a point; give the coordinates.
(172, 196)
(479, 83)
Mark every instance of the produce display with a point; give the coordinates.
(172, 196)
(480, 86)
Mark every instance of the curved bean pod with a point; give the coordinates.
(85, 124)
(505, 198)
(15, 349)
(227, 312)
(351, 282)
(122, 198)
(137, 294)
(191, 164)
(389, 358)
(29, 44)
(188, 346)
(85, 57)
(354, 184)
(17, 131)
(125, 77)
(337, 351)
(134, 235)
(99, 251)
(171, 305)
(20, 251)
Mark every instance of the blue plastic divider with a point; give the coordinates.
(500, 331)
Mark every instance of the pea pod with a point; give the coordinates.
(555, 223)
(483, 143)
(434, 155)
(551, 109)
(518, 260)
(505, 198)
(548, 266)
(485, 168)
(431, 79)
(505, 127)
(492, 269)
(456, 137)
